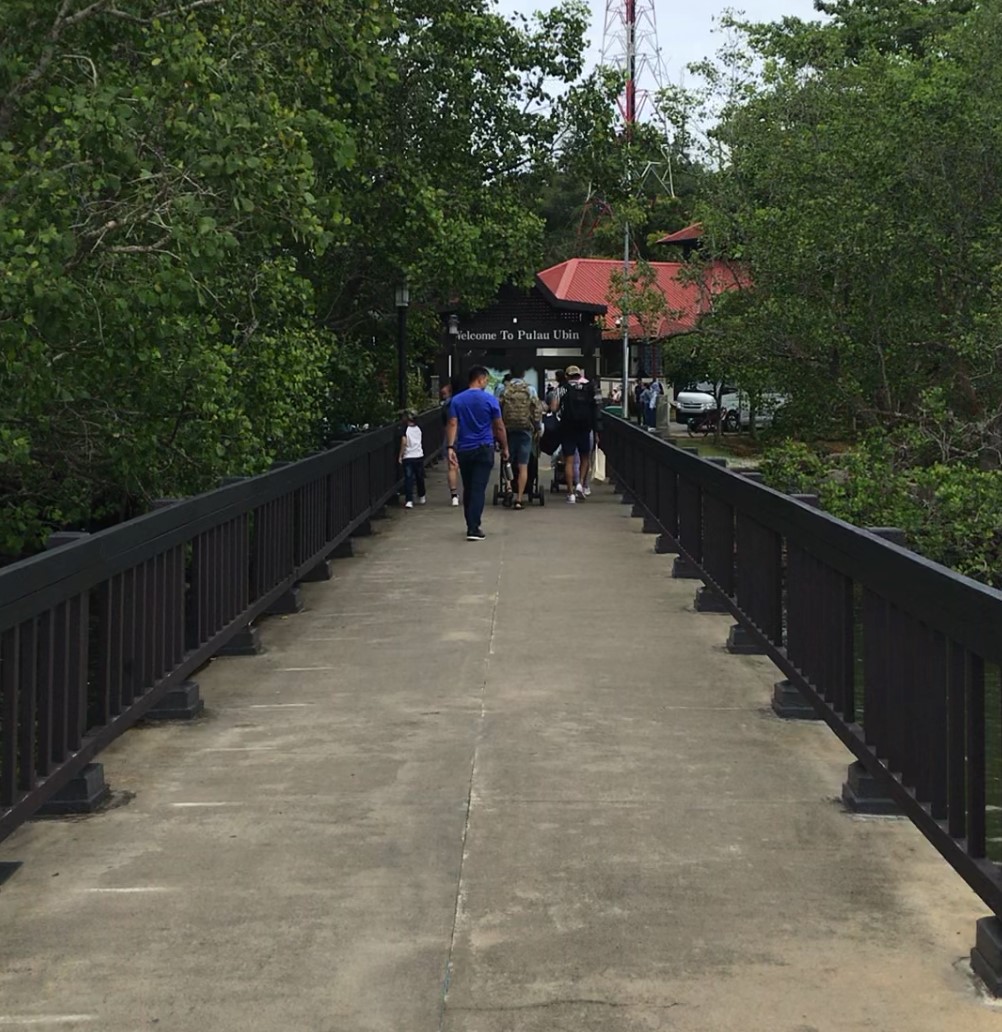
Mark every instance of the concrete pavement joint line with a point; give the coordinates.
(240, 748)
(45, 1019)
(189, 805)
(573, 1001)
(275, 705)
(303, 669)
(447, 980)
(134, 889)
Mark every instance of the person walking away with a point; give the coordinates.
(474, 425)
(522, 412)
(651, 412)
(648, 399)
(445, 399)
(412, 459)
(579, 421)
(557, 389)
(638, 406)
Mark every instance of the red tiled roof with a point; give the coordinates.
(683, 236)
(588, 280)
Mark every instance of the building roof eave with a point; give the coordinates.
(568, 306)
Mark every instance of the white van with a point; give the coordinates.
(697, 399)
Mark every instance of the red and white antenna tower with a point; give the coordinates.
(630, 44)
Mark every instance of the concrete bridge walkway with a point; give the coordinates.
(481, 787)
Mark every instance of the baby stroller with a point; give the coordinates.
(559, 473)
(504, 489)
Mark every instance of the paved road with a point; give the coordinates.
(510, 786)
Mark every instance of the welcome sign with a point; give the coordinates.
(505, 337)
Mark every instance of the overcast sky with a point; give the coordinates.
(684, 27)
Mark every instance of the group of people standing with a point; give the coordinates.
(646, 397)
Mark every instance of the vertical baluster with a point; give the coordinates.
(794, 603)
(214, 586)
(28, 703)
(161, 604)
(845, 666)
(10, 662)
(956, 752)
(938, 723)
(44, 692)
(131, 667)
(205, 586)
(77, 664)
(105, 689)
(60, 682)
(243, 560)
(918, 688)
(976, 756)
(148, 643)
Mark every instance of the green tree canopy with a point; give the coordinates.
(206, 206)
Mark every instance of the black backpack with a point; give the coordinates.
(577, 408)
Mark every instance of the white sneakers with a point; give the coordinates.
(455, 501)
(408, 505)
(586, 491)
(423, 500)
(572, 499)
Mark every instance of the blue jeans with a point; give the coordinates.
(475, 467)
(413, 471)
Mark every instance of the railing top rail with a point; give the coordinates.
(968, 611)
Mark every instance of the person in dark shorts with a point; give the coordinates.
(474, 425)
(579, 430)
(522, 412)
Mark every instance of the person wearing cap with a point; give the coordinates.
(580, 426)
(412, 459)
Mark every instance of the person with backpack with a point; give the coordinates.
(580, 426)
(522, 413)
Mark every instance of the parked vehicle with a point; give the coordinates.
(699, 399)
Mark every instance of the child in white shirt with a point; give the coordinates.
(412, 459)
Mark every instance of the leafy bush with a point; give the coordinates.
(950, 513)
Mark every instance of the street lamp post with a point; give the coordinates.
(453, 344)
(403, 298)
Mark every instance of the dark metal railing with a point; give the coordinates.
(94, 633)
(890, 648)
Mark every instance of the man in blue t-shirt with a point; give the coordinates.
(474, 425)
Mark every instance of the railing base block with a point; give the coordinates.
(862, 793)
(682, 569)
(665, 546)
(84, 794)
(789, 704)
(381, 513)
(244, 643)
(651, 526)
(321, 572)
(345, 550)
(708, 601)
(638, 512)
(741, 643)
(627, 499)
(181, 703)
(986, 957)
(288, 604)
(364, 529)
